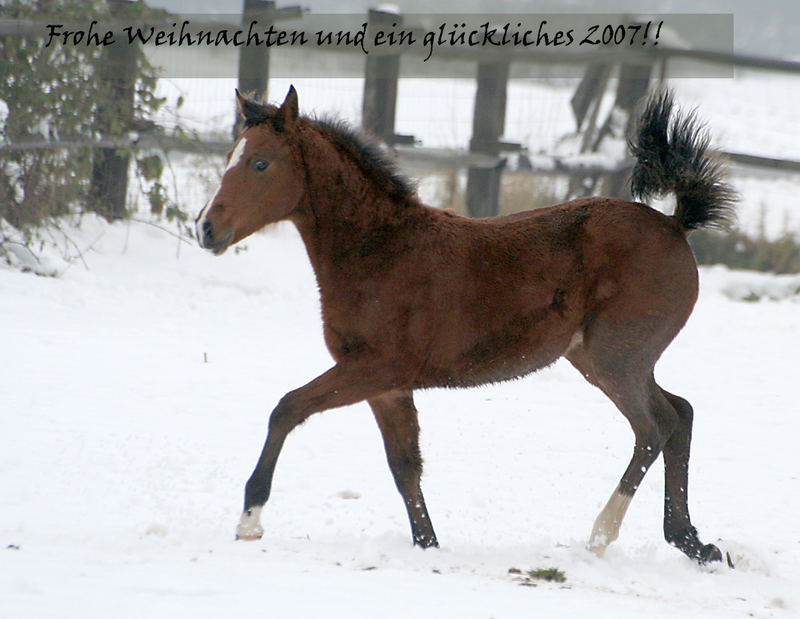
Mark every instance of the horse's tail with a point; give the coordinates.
(673, 157)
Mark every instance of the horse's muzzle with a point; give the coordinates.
(208, 239)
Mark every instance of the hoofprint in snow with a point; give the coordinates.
(136, 389)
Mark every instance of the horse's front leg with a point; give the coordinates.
(345, 383)
(397, 419)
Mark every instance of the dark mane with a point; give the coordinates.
(368, 155)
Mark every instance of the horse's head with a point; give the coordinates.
(263, 181)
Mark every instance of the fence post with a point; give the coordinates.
(254, 60)
(110, 165)
(483, 184)
(633, 84)
(586, 102)
(381, 74)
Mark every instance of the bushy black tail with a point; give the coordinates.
(672, 157)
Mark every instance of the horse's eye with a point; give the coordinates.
(259, 165)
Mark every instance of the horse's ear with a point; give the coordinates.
(248, 108)
(240, 101)
(289, 109)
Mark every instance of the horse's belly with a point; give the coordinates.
(494, 359)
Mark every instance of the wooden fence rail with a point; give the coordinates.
(487, 157)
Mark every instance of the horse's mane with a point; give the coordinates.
(363, 150)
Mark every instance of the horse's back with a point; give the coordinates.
(608, 236)
(516, 291)
(626, 250)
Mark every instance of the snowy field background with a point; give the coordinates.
(136, 389)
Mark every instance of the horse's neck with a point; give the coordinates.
(344, 235)
(347, 216)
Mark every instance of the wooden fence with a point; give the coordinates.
(486, 159)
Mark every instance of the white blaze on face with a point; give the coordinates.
(236, 156)
(237, 153)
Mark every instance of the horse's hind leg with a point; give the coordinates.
(678, 529)
(397, 420)
(653, 421)
(660, 422)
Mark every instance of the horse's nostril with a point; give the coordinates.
(207, 230)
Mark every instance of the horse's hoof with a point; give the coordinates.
(247, 538)
(710, 553)
(249, 527)
(426, 542)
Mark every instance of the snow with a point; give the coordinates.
(135, 394)
(136, 388)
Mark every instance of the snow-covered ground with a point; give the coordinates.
(135, 390)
